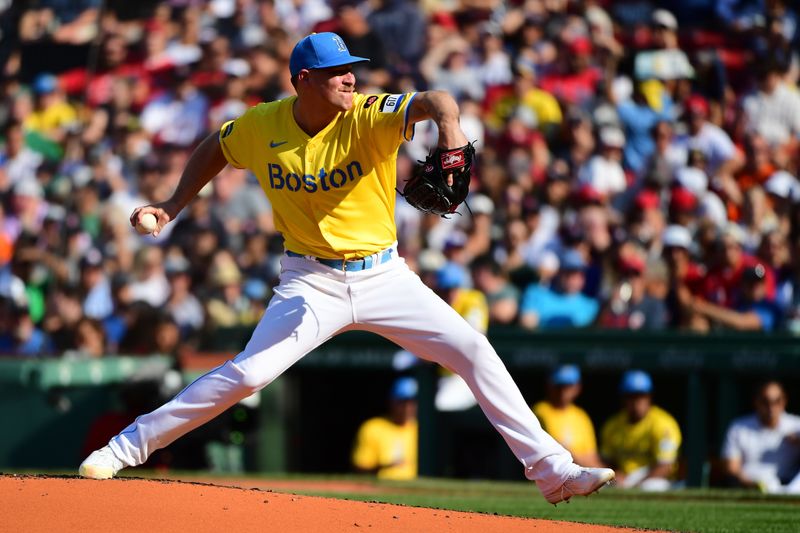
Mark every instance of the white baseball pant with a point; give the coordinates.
(313, 303)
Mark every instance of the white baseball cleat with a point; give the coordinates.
(101, 464)
(583, 482)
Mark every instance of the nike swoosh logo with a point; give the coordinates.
(273, 144)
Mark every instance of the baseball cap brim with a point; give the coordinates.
(339, 61)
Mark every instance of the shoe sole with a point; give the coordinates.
(95, 472)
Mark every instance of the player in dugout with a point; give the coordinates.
(326, 159)
(387, 445)
(566, 422)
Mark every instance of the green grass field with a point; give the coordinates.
(686, 510)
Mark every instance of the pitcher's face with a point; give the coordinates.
(334, 86)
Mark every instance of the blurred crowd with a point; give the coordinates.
(637, 162)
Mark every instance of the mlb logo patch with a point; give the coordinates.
(452, 159)
(370, 100)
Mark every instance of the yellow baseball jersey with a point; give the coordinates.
(471, 305)
(55, 116)
(655, 439)
(333, 194)
(390, 448)
(570, 426)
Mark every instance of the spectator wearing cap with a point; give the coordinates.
(387, 445)
(773, 109)
(564, 305)
(182, 305)
(566, 422)
(28, 209)
(723, 280)
(53, 115)
(682, 207)
(645, 218)
(641, 442)
(722, 158)
(752, 310)
(501, 295)
(603, 172)
(684, 273)
(227, 305)
(630, 305)
(710, 207)
(453, 283)
(784, 193)
(95, 287)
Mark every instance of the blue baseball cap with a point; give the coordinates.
(45, 83)
(566, 375)
(321, 50)
(636, 382)
(451, 276)
(404, 389)
(573, 260)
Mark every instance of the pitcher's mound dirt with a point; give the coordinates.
(70, 505)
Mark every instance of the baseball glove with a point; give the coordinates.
(427, 188)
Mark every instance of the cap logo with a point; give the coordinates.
(339, 43)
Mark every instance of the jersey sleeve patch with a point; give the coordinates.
(391, 103)
(226, 130)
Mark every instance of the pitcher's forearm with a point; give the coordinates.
(440, 107)
(206, 161)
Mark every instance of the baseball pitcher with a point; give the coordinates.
(326, 160)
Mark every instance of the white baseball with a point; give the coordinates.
(147, 224)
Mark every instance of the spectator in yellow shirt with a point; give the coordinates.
(641, 442)
(565, 421)
(53, 115)
(387, 446)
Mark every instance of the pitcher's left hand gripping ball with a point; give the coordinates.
(428, 189)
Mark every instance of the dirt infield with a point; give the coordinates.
(45, 504)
